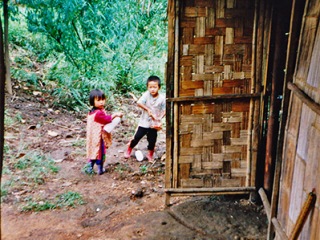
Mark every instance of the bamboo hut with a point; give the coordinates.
(243, 95)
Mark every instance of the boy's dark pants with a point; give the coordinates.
(151, 137)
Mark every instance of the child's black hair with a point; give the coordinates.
(96, 93)
(154, 79)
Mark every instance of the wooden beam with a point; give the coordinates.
(205, 192)
(211, 190)
(304, 98)
(222, 97)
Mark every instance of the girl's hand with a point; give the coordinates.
(117, 114)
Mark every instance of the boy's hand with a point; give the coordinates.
(151, 115)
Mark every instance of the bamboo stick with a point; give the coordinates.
(253, 90)
(265, 202)
(279, 231)
(303, 215)
(266, 14)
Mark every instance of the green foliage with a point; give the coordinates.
(4, 193)
(8, 120)
(144, 169)
(87, 169)
(32, 168)
(65, 200)
(37, 162)
(79, 143)
(69, 199)
(25, 169)
(37, 206)
(112, 45)
(5, 187)
(24, 76)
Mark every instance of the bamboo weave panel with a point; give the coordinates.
(215, 59)
(213, 141)
(216, 47)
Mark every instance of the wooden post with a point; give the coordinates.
(2, 100)
(175, 94)
(253, 90)
(169, 93)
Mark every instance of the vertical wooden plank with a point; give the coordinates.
(169, 92)
(207, 88)
(220, 8)
(230, 3)
(218, 49)
(176, 94)
(307, 118)
(229, 35)
(210, 21)
(199, 64)
(209, 52)
(315, 230)
(200, 27)
(312, 158)
(298, 195)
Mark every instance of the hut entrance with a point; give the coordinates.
(212, 98)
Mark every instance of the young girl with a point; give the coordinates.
(97, 139)
(153, 110)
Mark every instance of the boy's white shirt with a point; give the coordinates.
(157, 106)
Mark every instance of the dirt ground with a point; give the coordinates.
(127, 202)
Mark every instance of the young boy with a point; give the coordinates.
(153, 106)
(97, 139)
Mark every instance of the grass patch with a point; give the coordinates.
(144, 169)
(61, 201)
(87, 169)
(25, 171)
(79, 143)
(36, 167)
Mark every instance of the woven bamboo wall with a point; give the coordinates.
(215, 60)
(213, 141)
(301, 166)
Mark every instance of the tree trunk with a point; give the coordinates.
(6, 47)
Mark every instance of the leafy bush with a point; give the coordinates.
(111, 45)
